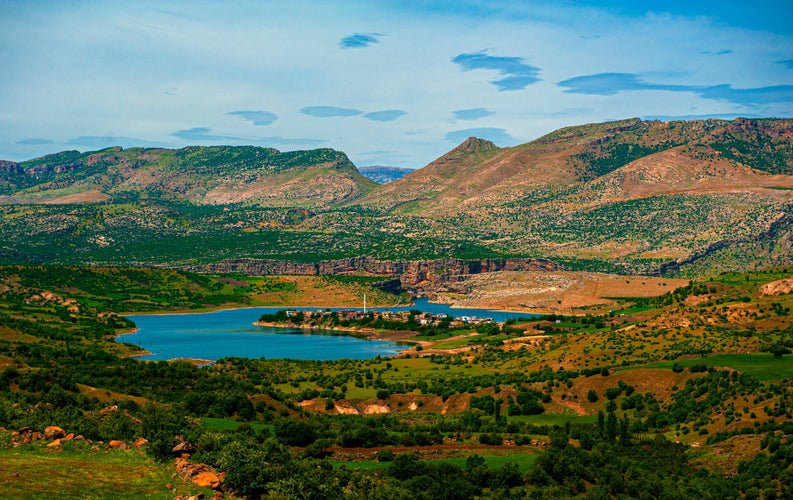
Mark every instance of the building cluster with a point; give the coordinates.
(423, 319)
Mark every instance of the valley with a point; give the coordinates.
(500, 397)
(647, 268)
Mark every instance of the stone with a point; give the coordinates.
(118, 444)
(54, 432)
(140, 442)
(207, 480)
(54, 444)
(183, 447)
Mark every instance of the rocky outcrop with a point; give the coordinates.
(53, 432)
(200, 474)
(779, 287)
(411, 274)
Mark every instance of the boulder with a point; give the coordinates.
(140, 442)
(118, 444)
(54, 432)
(54, 444)
(183, 447)
(207, 480)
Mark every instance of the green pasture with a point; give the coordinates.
(762, 366)
(495, 458)
(78, 472)
(554, 419)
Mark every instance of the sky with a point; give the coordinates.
(395, 83)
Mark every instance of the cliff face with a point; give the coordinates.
(411, 274)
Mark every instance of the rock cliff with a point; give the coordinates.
(411, 274)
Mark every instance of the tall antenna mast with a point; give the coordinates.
(364, 302)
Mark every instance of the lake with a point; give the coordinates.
(231, 332)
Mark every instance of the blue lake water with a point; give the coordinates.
(219, 334)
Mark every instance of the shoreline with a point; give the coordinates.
(365, 333)
(210, 310)
(205, 310)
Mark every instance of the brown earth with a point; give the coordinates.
(553, 291)
(779, 287)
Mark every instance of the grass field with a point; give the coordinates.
(523, 459)
(27, 472)
(554, 419)
(494, 459)
(762, 366)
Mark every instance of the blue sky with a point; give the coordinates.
(387, 82)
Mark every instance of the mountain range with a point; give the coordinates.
(630, 195)
(384, 175)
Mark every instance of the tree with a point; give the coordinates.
(250, 469)
(294, 432)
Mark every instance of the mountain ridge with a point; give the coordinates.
(627, 196)
(199, 174)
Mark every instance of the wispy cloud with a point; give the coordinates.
(106, 141)
(257, 117)
(387, 115)
(761, 95)
(472, 114)
(515, 74)
(288, 141)
(35, 141)
(204, 134)
(499, 136)
(786, 62)
(359, 40)
(329, 111)
(723, 52)
(613, 83)
(609, 84)
(201, 134)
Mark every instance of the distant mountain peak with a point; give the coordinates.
(475, 145)
(384, 174)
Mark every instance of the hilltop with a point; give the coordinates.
(610, 162)
(630, 196)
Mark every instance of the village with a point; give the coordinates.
(387, 320)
